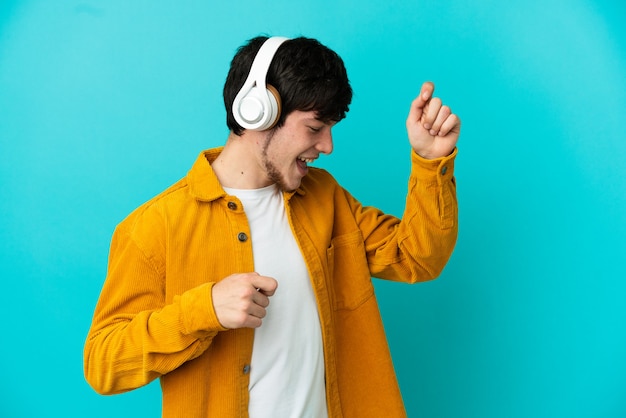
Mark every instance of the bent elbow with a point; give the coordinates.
(431, 268)
(98, 377)
(99, 371)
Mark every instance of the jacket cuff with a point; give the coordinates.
(198, 313)
(437, 170)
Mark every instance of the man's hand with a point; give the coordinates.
(432, 127)
(240, 299)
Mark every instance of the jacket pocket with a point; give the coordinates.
(350, 280)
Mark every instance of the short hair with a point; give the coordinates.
(308, 76)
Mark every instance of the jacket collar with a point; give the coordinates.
(203, 183)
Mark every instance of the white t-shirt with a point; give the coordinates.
(287, 369)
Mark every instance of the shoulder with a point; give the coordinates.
(154, 211)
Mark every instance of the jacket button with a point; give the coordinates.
(246, 369)
(444, 170)
(232, 205)
(242, 237)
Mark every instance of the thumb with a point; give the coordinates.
(420, 102)
(264, 284)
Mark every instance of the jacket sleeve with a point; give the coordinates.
(418, 246)
(135, 335)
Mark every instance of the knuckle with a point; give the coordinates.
(247, 292)
(241, 318)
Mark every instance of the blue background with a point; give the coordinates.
(105, 103)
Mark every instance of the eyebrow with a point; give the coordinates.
(316, 120)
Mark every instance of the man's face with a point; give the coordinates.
(288, 150)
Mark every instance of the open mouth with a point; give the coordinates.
(304, 162)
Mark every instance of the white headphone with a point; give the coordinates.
(257, 105)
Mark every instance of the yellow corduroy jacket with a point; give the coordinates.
(155, 317)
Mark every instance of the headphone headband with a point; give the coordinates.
(255, 106)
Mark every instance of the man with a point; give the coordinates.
(246, 286)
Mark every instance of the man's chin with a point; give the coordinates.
(281, 182)
(287, 188)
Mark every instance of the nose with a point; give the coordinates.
(325, 143)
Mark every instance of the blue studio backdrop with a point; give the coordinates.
(103, 104)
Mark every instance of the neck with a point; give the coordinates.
(239, 166)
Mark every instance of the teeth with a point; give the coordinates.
(306, 160)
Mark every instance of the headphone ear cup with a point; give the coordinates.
(250, 109)
(257, 111)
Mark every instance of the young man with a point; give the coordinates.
(246, 286)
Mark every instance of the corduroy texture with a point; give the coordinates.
(155, 315)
